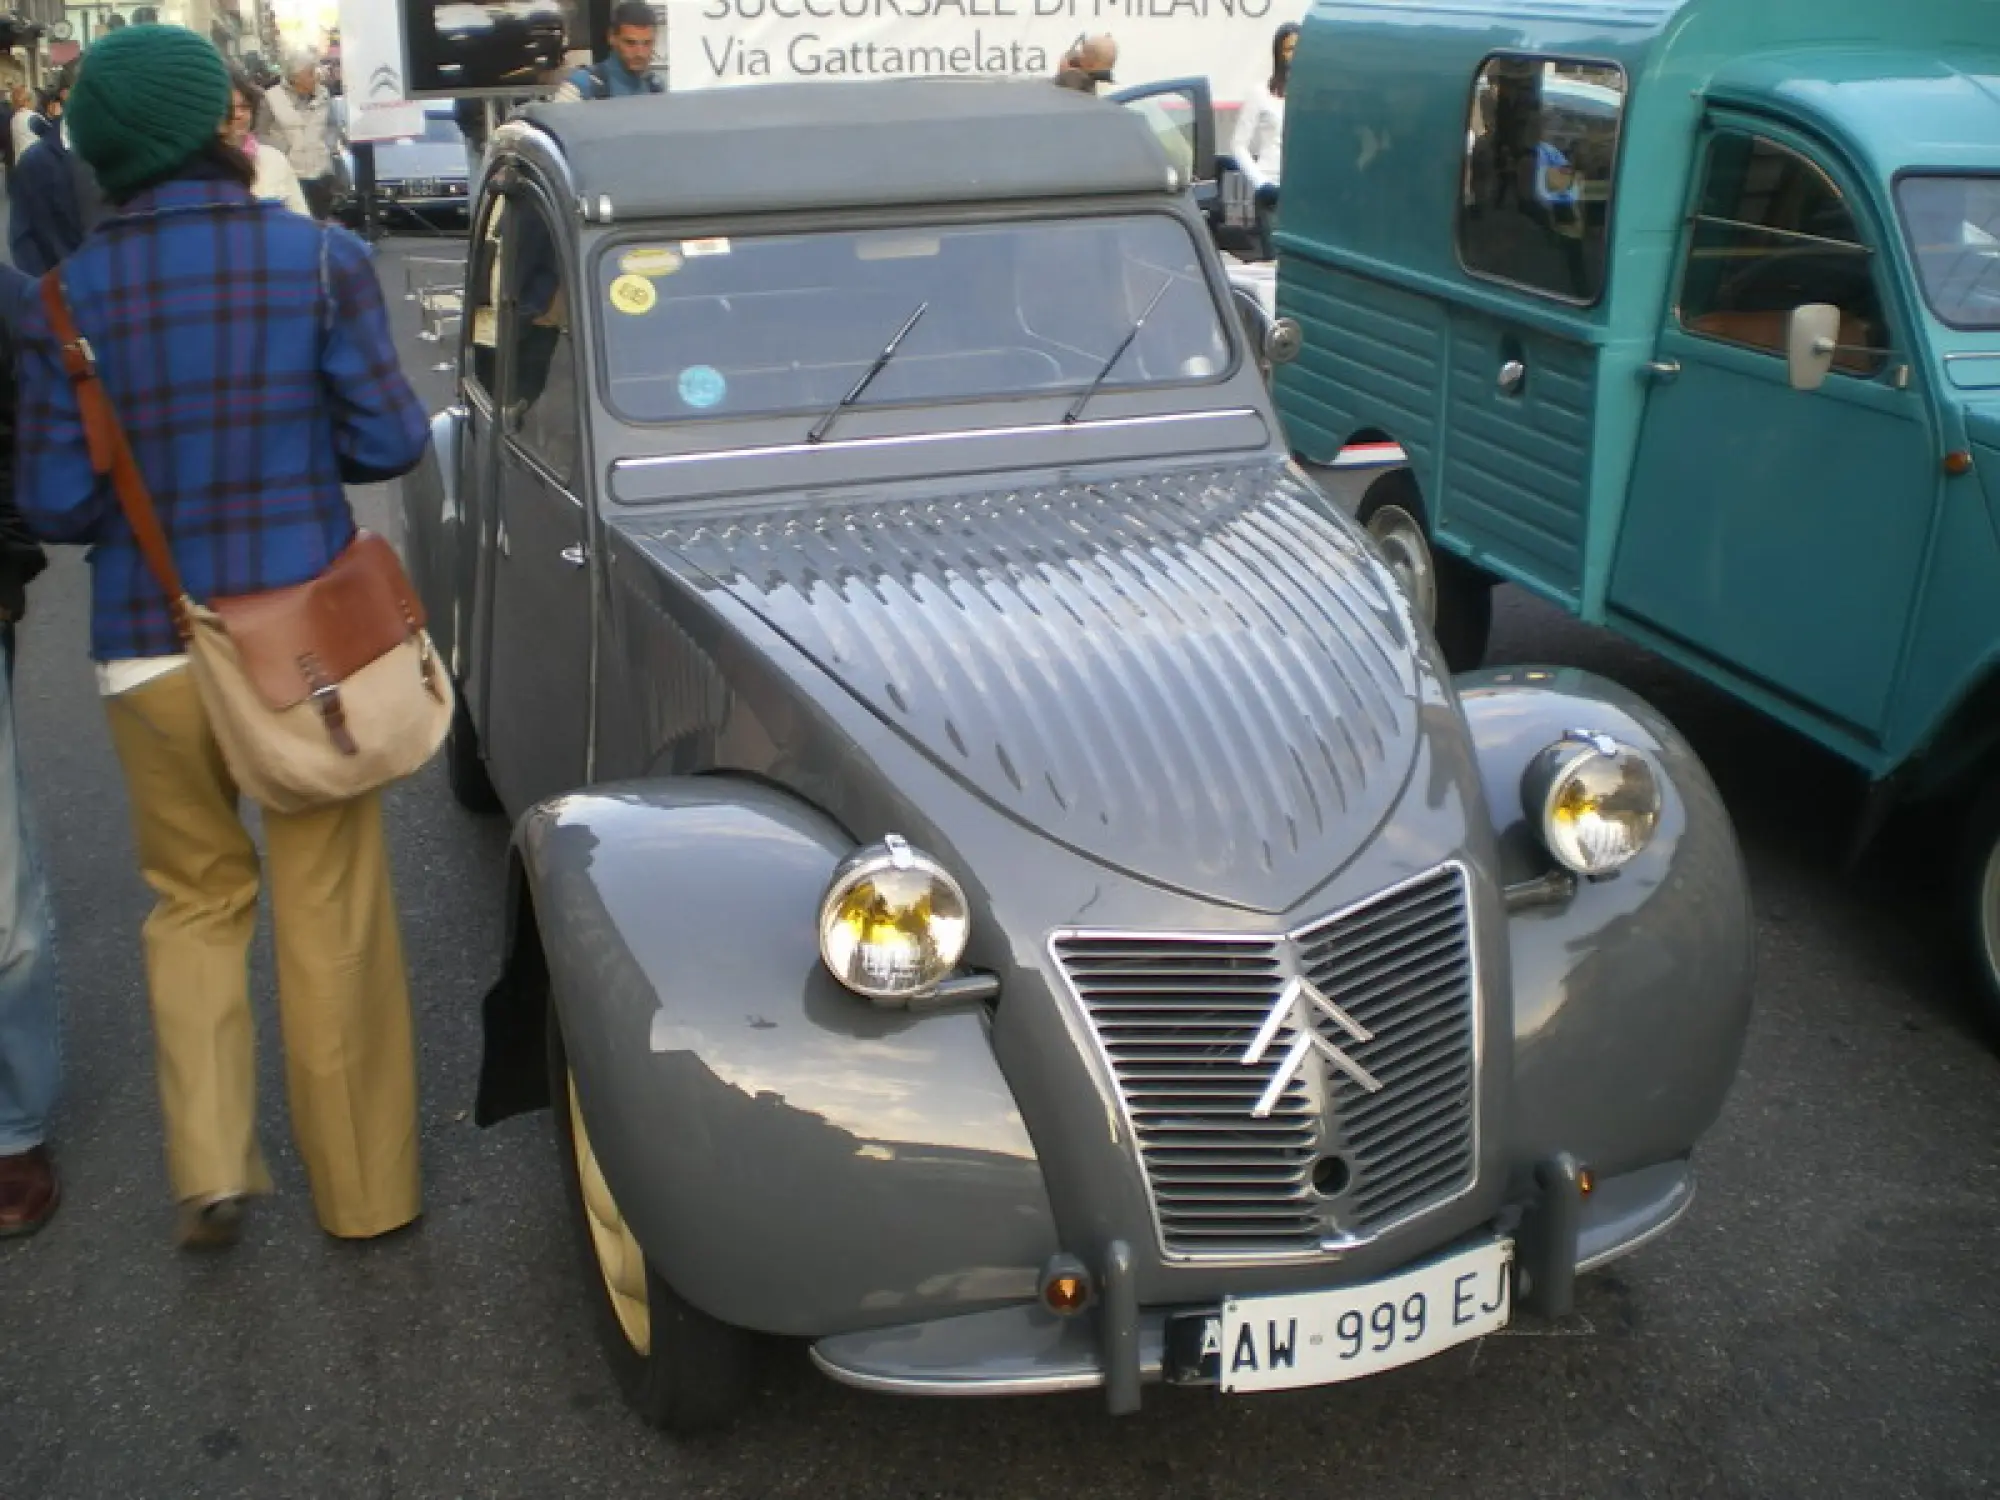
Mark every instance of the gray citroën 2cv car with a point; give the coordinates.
(1004, 889)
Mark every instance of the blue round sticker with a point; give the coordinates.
(703, 385)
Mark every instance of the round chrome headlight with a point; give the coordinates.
(1598, 801)
(894, 923)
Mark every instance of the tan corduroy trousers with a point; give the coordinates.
(343, 994)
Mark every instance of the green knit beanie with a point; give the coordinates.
(145, 100)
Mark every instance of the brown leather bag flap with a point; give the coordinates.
(322, 632)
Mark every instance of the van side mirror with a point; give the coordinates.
(1812, 334)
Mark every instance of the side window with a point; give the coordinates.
(482, 309)
(1541, 148)
(541, 406)
(1772, 233)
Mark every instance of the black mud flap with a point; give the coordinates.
(513, 1065)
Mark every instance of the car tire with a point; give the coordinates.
(464, 768)
(679, 1369)
(1979, 883)
(1451, 596)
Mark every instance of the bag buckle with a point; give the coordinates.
(325, 697)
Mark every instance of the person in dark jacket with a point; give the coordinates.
(29, 1022)
(46, 222)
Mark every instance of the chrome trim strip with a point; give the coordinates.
(1108, 1071)
(1000, 1385)
(1640, 1241)
(920, 439)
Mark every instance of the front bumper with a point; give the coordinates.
(1119, 1346)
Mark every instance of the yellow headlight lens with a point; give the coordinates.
(893, 923)
(1599, 802)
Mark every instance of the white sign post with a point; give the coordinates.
(371, 64)
(722, 43)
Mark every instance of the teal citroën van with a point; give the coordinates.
(1687, 316)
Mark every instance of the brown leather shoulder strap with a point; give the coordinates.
(110, 453)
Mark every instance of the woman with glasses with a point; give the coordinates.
(276, 181)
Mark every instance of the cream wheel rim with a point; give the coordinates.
(1408, 551)
(619, 1259)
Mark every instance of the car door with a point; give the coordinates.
(1182, 116)
(537, 725)
(1781, 532)
(471, 487)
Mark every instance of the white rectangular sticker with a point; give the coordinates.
(1318, 1338)
(717, 246)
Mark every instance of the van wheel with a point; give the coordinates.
(471, 787)
(1450, 595)
(678, 1368)
(1980, 882)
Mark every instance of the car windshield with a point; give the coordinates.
(790, 323)
(441, 129)
(1954, 228)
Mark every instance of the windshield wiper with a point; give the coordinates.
(1083, 400)
(888, 353)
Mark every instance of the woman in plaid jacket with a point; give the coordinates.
(248, 353)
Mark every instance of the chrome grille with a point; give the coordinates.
(1175, 1013)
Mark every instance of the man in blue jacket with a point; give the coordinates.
(629, 68)
(47, 219)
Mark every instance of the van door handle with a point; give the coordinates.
(574, 556)
(1660, 371)
(1512, 374)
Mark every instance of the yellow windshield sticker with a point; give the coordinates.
(650, 260)
(633, 295)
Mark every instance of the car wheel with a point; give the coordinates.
(679, 1369)
(464, 768)
(1980, 881)
(1448, 594)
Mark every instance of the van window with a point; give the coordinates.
(1772, 233)
(1541, 145)
(1954, 228)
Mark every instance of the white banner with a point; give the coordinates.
(722, 43)
(371, 69)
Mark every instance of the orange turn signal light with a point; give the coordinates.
(1957, 462)
(1066, 1293)
(1586, 1181)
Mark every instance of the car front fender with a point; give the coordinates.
(791, 1157)
(1631, 995)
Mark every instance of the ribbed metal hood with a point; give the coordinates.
(1200, 678)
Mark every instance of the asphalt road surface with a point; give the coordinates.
(1825, 1323)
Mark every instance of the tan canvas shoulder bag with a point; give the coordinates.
(316, 693)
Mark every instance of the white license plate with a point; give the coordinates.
(1317, 1338)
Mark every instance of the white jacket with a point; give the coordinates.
(302, 129)
(277, 182)
(1260, 137)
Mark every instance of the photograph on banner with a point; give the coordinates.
(455, 49)
(725, 43)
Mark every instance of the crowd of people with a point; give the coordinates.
(288, 132)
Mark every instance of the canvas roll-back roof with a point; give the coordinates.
(788, 146)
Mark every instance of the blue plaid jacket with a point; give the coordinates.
(247, 351)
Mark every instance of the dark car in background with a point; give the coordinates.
(421, 181)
